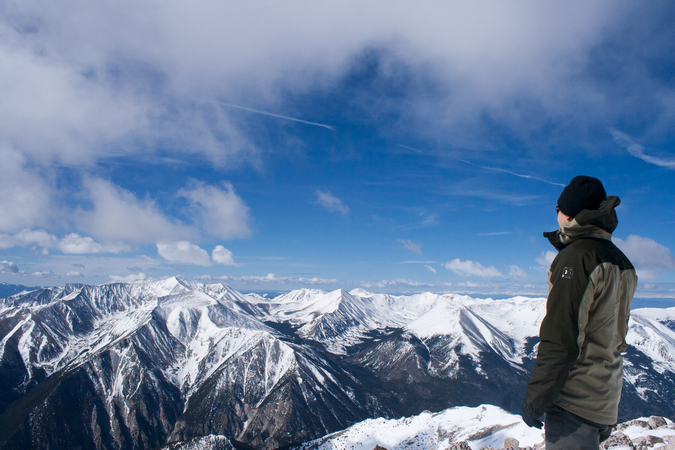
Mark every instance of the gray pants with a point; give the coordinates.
(567, 431)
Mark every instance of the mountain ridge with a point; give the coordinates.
(147, 363)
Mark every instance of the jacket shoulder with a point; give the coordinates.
(591, 252)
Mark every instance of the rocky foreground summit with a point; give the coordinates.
(482, 428)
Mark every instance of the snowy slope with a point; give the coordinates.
(211, 442)
(485, 425)
(652, 331)
(480, 427)
(74, 325)
(177, 346)
(337, 319)
(340, 319)
(471, 327)
(649, 362)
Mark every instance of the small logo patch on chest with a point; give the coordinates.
(567, 273)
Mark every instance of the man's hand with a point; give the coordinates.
(531, 421)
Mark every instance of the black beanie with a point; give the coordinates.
(582, 193)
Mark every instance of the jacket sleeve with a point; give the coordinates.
(558, 346)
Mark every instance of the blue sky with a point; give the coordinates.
(392, 146)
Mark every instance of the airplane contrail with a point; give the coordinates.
(638, 150)
(265, 113)
(410, 148)
(496, 169)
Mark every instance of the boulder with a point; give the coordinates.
(618, 439)
(656, 422)
(511, 443)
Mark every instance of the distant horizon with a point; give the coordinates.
(653, 300)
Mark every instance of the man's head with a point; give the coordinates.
(581, 193)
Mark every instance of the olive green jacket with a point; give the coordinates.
(591, 285)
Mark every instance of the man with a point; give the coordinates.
(578, 376)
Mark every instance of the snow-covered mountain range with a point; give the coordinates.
(143, 364)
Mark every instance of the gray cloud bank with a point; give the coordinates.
(144, 61)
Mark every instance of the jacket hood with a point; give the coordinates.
(598, 223)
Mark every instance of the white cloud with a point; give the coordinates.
(183, 252)
(43, 274)
(430, 219)
(399, 282)
(469, 284)
(36, 237)
(77, 245)
(274, 279)
(410, 245)
(25, 198)
(646, 254)
(74, 113)
(546, 258)
(129, 278)
(74, 274)
(471, 268)
(8, 267)
(638, 151)
(118, 215)
(404, 282)
(517, 272)
(646, 274)
(221, 212)
(331, 202)
(431, 269)
(26, 238)
(80, 245)
(94, 267)
(461, 189)
(70, 244)
(221, 255)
